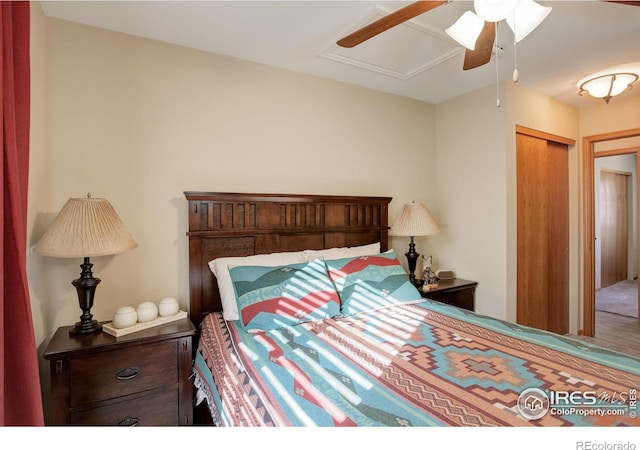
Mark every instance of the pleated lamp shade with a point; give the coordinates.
(415, 220)
(86, 227)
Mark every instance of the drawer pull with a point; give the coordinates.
(127, 373)
(128, 422)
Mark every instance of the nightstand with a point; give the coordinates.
(140, 378)
(456, 292)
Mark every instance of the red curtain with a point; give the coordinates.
(20, 399)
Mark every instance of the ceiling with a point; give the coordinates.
(416, 59)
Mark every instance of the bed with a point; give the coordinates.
(310, 320)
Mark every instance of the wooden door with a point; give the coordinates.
(543, 233)
(614, 216)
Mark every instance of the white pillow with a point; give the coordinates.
(220, 268)
(343, 252)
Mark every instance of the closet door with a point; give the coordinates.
(543, 233)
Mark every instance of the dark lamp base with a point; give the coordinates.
(86, 288)
(86, 327)
(412, 259)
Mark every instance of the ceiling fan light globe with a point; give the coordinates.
(495, 10)
(526, 17)
(466, 30)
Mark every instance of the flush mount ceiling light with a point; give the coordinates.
(607, 84)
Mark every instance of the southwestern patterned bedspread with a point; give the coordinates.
(423, 364)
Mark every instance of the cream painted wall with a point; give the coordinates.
(138, 122)
(622, 113)
(471, 195)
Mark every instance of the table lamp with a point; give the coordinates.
(415, 220)
(85, 227)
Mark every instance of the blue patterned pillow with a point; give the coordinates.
(273, 297)
(371, 282)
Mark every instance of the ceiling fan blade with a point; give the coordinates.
(484, 47)
(387, 22)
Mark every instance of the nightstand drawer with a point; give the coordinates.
(115, 373)
(159, 409)
(456, 292)
(461, 299)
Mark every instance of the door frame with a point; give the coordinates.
(588, 154)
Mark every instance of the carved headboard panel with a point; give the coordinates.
(230, 224)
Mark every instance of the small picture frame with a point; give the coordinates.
(428, 274)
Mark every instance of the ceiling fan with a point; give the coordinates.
(476, 31)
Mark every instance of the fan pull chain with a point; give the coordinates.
(516, 74)
(497, 69)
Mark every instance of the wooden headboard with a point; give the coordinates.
(229, 224)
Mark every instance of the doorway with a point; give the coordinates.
(616, 220)
(589, 144)
(613, 220)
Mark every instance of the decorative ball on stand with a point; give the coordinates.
(168, 307)
(147, 311)
(124, 316)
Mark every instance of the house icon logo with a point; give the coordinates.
(533, 403)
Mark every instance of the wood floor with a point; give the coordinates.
(616, 332)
